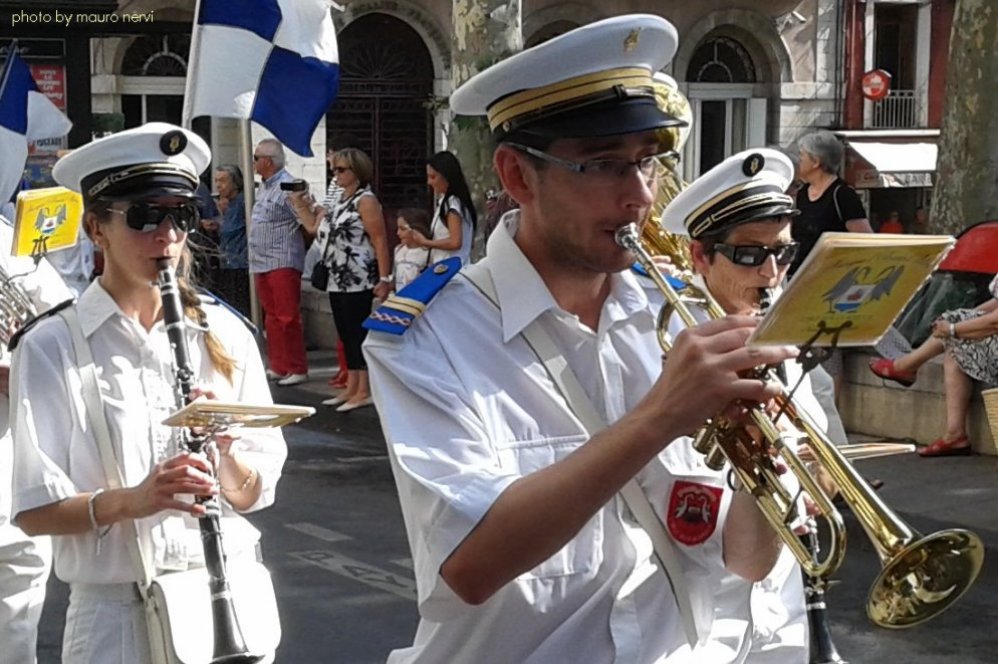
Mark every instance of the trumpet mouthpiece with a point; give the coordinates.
(627, 236)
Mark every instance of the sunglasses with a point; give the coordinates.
(755, 255)
(145, 217)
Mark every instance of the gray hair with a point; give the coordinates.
(825, 148)
(275, 151)
(235, 174)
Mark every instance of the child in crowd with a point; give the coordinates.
(410, 258)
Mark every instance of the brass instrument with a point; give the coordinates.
(921, 576)
(658, 241)
(16, 307)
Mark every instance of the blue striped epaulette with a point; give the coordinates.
(398, 312)
(640, 270)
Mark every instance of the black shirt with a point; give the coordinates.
(824, 216)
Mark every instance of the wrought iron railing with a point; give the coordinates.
(899, 110)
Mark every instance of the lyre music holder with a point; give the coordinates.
(811, 355)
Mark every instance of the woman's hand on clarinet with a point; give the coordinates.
(185, 473)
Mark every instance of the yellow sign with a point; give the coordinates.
(852, 284)
(47, 220)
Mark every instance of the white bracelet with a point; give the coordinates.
(91, 512)
(952, 330)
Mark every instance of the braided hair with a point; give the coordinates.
(224, 363)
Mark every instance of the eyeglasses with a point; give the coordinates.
(340, 169)
(756, 255)
(604, 171)
(145, 217)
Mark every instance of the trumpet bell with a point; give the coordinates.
(925, 578)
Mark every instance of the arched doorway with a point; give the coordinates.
(387, 80)
(727, 118)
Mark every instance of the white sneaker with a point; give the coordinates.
(293, 379)
(273, 375)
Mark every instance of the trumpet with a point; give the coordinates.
(920, 576)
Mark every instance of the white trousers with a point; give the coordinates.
(101, 629)
(25, 563)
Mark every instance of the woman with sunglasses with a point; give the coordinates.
(353, 241)
(741, 249)
(138, 189)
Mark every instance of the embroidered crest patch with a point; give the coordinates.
(693, 510)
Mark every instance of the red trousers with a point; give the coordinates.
(280, 298)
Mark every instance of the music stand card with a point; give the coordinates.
(856, 283)
(218, 414)
(46, 220)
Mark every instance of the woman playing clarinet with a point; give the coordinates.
(138, 190)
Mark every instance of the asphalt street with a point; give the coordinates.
(336, 546)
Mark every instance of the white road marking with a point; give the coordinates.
(318, 532)
(358, 571)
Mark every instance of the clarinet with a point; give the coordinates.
(230, 646)
(822, 648)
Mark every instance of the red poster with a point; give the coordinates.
(51, 81)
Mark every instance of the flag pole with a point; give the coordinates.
(249, 197)
(192, 68)
(245, 147)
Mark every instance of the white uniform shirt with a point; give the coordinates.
(764, 622)
(468, 409)
(56, 455)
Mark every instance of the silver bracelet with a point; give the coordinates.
(952, 330)
(91, 512)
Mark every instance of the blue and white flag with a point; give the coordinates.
(25, 115)
(271, 61)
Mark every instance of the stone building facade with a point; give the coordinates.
(757, 72)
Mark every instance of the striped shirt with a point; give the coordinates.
(275, 237)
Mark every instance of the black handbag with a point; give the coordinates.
(320, 276)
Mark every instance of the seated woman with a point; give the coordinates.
(969, 337)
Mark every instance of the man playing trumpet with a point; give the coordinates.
(523, 549)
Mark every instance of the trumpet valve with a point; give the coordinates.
(715, 459)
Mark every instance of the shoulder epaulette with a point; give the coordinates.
(640, 270)
(16, 338)
(210, 298)
(398, 312)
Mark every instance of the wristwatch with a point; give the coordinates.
(387, 279)
(952, 330)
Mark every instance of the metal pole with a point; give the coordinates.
(249, 196)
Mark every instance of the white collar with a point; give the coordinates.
(96, 306)
(523, 296)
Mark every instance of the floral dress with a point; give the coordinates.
(346, 247)
(978, 358)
